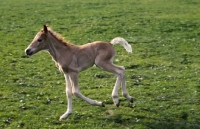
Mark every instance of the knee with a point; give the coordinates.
(68, 92)
(121, 71)
(122, 67)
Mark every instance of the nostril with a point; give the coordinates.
(29, 52)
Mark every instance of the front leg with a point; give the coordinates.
(69, 98)
(74, 81)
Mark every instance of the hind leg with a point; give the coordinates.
(120, 72)
(124, 91)
(121, 75)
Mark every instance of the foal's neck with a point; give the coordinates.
(57, 49)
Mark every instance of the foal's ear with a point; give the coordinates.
(45, 29)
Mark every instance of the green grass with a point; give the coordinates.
(162, 73)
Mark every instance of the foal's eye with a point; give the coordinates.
(39, 40)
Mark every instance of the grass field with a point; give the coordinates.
(162, 73)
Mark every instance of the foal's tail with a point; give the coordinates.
(123, 42)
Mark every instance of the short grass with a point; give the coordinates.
(162, 73)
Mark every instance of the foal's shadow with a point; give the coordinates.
(135, 121)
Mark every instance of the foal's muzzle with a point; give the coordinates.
(29, 52)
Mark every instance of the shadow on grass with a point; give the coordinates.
(130, 121)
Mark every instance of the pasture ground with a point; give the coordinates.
(162, 73)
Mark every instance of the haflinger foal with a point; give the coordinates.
(72, 59)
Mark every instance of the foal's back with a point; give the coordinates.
(89, 54)
(102, 50)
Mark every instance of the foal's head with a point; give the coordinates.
(39, 42)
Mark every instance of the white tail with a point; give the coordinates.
(123, 42)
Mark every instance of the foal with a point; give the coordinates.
(72, 59)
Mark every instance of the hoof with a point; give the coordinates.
(103, 105)
(64, 116)
(60, 119)
(132, 100)
(117, 104)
